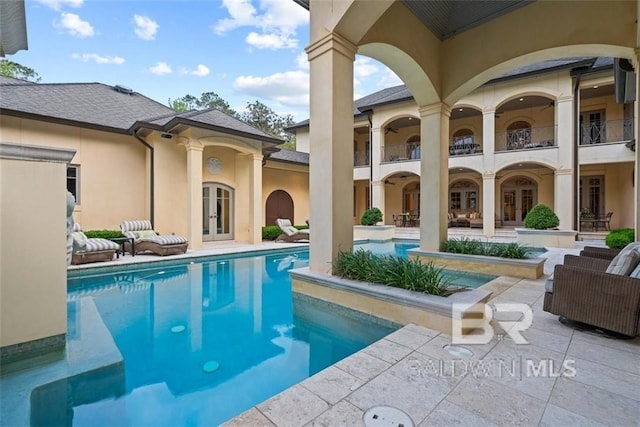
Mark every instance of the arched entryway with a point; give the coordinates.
(279, 205)
(519, 195)
(217, 211)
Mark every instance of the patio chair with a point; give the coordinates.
(597, 292)
(147, 240)
(603, 221)
(599, 252)
(291, 234)
(91, 249)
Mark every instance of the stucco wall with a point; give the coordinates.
(170, 187)
(292, 179)
(113, 175)
(32, 234)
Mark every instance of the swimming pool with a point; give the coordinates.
(203, 341)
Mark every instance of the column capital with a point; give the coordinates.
(332, 41)
(563, 171)
(436, 108)
(489, 110)
(377, 183)
(565, 98)
(489, 175)
(193, 145)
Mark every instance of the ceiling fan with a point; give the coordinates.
(386, 181)
(550, 104)
(390, 129)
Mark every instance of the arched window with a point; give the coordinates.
(518, 135)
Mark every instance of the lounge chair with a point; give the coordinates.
(146, 239)
(94, 249)
(599, 252)
(291, 234)
(597, 292)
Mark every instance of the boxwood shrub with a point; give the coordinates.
(104, 234)
(371, 216)
(619, 238)
(541, 217)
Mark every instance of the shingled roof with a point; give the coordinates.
(110, 108)
(290, 156)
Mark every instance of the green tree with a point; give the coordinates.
(264, 118)
(17, 71)
(206, 100)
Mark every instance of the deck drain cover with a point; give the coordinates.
(458, 351)
(386, 416)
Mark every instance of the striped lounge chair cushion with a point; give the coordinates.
(129, 228)
(165, 240)
(97, 244)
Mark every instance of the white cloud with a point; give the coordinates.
(98, 59)
(58, 4)
(302, 61)
(200, 71)
(161, 68)
(388, 79)
(146, 28)
(277, 21)
(290, 88)
(364, 67)
(271, 41)
(72, 24)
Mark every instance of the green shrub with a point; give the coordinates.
(618, 239)
(410, 274)
(541, 217)
(476, 247)
(371, 217)
(104, 234)
(271, 232)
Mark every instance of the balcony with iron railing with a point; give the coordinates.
(607, 131)
(401, 152)
(526, 139)
(465, 145)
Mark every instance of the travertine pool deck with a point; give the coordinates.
(562, 377)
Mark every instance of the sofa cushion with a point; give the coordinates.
(625, 262)
(635, 273)
(166, 240)
(548, 284)
(97, 244)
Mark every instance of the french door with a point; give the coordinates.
(516, 204)
(217, 212)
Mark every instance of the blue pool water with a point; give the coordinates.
(204, 341)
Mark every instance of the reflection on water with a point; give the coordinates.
(201, 342)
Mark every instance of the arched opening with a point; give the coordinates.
(217, 212)
(519, 195)
(279, 205)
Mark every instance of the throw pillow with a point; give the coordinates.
(461, 215)
(625, 263)
(145, 234)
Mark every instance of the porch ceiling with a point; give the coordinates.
(446, 19)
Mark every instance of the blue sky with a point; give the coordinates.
(243, 50)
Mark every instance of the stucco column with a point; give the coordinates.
(378, 199)
(488, 204)
(488, 138)
(194, 193)
(330, 160)
(563, 197)
(563, 200)
(255, 204)
(434, 174)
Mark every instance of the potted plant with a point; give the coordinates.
(541, 229)
(368, 230)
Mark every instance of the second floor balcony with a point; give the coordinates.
(602, 132)
(401, 152)
(526, 139)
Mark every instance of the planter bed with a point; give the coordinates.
(526, 268)
(394, 304)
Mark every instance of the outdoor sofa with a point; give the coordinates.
(598, 292)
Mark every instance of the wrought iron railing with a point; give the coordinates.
(465, 145)
(401, 152)
(526, 139)
(608, 131)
